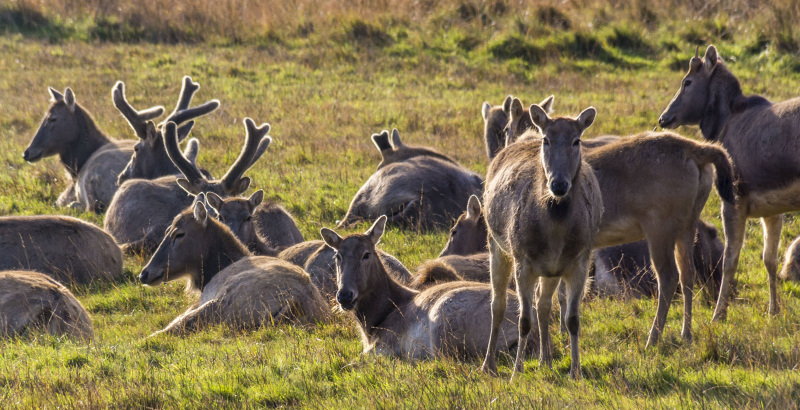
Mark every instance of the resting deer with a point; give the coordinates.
(557, 208)
(69, 250)
(763, 141)
(31, 301)
(142, 209)
(393, 150)
(237, 288)
(444, 320)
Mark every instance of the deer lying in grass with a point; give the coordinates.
(150, 159)
(317, 259)
(31, 301)
(274, 231)
(791, 263)
(393, 150)
(142, 209)
(548, 237)
(763, 141)
(237, 289)
(90, 157)
(444, 320)
(422, 191)
(69, 250)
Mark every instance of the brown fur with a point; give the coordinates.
(238, 289)
(68, 249)
(469, 233)
(393, 150)
(495, 121)
(31, 300)
(791, 263)
(444, 320)
(763, 141)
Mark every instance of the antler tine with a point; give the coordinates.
(182, 112)
(136, 119)
(252, 141)
(187, 168)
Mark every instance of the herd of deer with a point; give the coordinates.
(556, 210)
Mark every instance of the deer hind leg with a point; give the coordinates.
(500, 269)
(734, 219)
(772, 238)
(193, 319)
(662, 254)
(684, 249)
(544, 305)
(526, 288)
(574, 283)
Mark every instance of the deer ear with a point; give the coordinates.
(381, 141)
(69, 98)
(485, 108)
(187, 186)
(539, 117)
(586, 117)
(710, 59)
(256, 199)
(55, 96)
(200, 213)
(376, 230)
(215, 201)
(192, 150)
(241, 185)
(396, 141)
(151, 134)
(473, 208)
(547, 104)
(507, 105)
(516, 108)
(330, 238)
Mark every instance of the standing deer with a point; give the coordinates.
(423, 191)
(69, 250)
(763, 141)
(495, 121)
(237, 289)
(543, 209)
(91, 158)
(31, 301)
(142, 209)
(444, 320)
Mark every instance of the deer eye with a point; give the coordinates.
(136, 148)
(337, 257)
(577, 142)
(687, 83)
(179, 235)
(365, 256)
(545, 141)
(248, 218)
(453, 232)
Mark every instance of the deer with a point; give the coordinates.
(548, 237)
(422, 191)
(502, 123)
(236, 288)
(394, 320)
(317, 259)
(67, 249)
(274, 231)
(791, 263)
(763, 141)
(675, 190)
(150, 159)
(393, 150)
(31, 301)
(142, 209)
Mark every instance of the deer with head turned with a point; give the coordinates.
(443, 320)
(393, 149)
(503, 122)
(763, 141)
(236, 288)
(548, 237)
(31, 301)
(142, 209)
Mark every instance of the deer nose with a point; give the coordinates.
(559, 188)
(665, 120)
(144, 276)
(345, 298)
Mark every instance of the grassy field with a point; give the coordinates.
(325, 82)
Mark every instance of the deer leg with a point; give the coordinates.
(68, 196)
(662, 254)
(772, 238)
(733, 222)
(574, 283)
(684, 249)
(193, 319)
(500, 270)
(526, 284)
(544, 305)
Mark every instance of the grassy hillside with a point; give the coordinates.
(326, 75)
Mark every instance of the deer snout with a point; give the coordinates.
(31, 155)
(665, 120)
(559, 187)
(346, 298)
(148, 276)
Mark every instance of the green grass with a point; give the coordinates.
(325, 93)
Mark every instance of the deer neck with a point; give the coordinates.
(90, 139)
(386, 297)
(223, 252)
(725, 90)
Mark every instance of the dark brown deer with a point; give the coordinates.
(468, 235)
(763, 141)
(444, 320)
(548, 237)
(69, 250)
(90, 157)
(31, 301)
(237, 288)
(142, 209)
(150, 159)
(422, 191)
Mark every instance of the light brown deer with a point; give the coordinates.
(68, 249)
(543, 209)
(237, 288)
(791, 263)
(142, 209)
(31, 301)
(444, 320)
(763, 141)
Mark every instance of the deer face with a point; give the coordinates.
(237, 213)
(469, 234)
(59, 127)
(689, 103)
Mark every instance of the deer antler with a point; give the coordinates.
(255, 138)
(182, 112)
(187, 168)
(136, 119)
